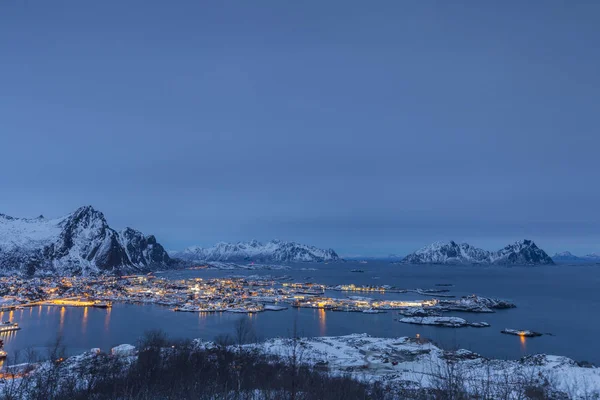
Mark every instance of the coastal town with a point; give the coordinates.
(232, 294)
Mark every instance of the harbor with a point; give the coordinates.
(142, 302)
(233, 294)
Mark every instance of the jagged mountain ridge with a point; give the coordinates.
(523, 252)
(80, 243)
(273, 251)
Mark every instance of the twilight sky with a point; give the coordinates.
(369, 127)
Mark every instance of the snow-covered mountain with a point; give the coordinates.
(522, 252)
(79, 243)
(448, 253)
(566, 257)
(273, 251)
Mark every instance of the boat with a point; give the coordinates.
(102, 304)
(269, 307)
(8, 326)
(357, 270)
(187, 308)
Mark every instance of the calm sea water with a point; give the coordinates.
(562, 300)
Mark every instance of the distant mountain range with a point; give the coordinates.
(567, 256)
(523, 252)
(273, 251)
(80, 243)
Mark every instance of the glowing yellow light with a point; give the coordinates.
(62, 317)
(322, 322)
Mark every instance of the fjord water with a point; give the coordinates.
(561, 300)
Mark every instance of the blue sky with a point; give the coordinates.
(373, 128)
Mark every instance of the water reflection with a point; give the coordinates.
(62, 319)
(322, 322)
(132, 320)
(84, 320)
(107, 319)
(202, 319)
(7, 336)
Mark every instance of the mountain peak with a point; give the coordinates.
(520, 252)
(564, 254)
(79, 243)
(87, 210)
(272, 251)
(87, 215)
(526, 242)
(567, 256)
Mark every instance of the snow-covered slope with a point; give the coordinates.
(273, 251)
(79, 243)
(521, 252)
(418, 363)
(406, 367)
(448, 253)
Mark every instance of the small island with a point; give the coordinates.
(449, 322)
(522, 333)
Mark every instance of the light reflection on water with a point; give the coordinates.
(62, 319)
(107, 319)
(7, 337)
(545, 302)
(322, 322)
(84, 320)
